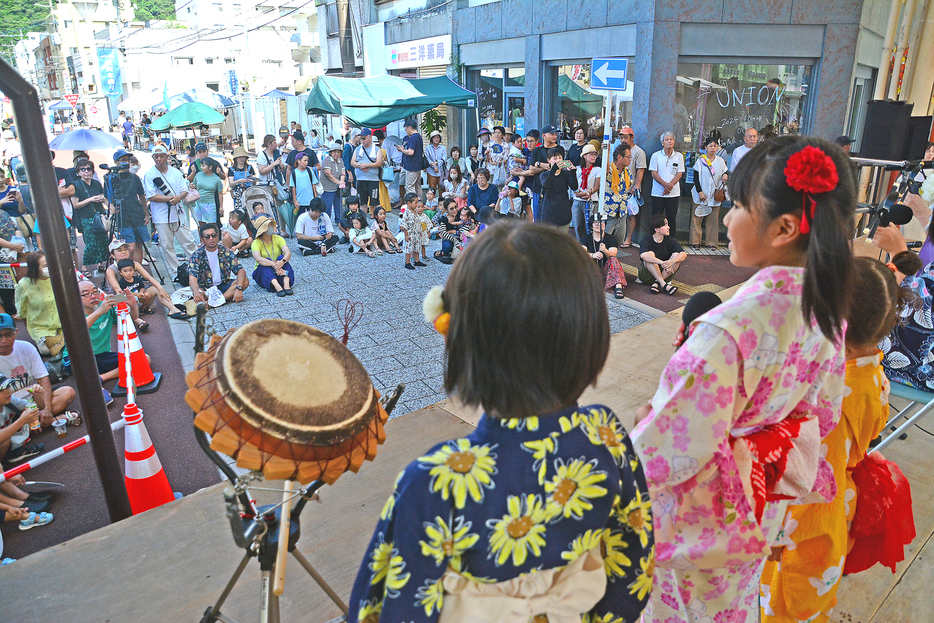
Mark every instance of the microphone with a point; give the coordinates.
(698, 305)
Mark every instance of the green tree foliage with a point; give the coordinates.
(153, 9)
(16, 15)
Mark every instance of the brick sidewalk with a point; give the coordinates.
(392, 340)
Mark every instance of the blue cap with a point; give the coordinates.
(366, 132)
(6, 322)
(121, 153)
(200, 147)
(549, 129)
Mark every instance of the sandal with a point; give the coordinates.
(35, 519)
(142, 325)
(619, 292)
(710, 247)
(391, 251)
(370, 254)
(178, 316)
(72, 418)
(625, 245)
(656, 288)
(670, 290)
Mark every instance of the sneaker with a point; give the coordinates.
(108, 399)
(7, 561)
(421, 264)
(155, 239)
(25, 452)
(409, 266)
(307, 252)
(350, 249)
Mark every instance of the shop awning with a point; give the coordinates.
(374, 102)
(60, 105)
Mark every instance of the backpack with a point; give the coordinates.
(181, 275)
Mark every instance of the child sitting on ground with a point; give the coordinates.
(131, 282)
(120, 250)
(351, 210)
(431, 203)
(361, 237)
(235, 235)
(381, 233)
(544, 505)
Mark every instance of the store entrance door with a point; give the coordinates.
(514, 111)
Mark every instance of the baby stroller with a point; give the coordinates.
(264, 195)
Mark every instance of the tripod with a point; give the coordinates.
(117, 224)
(260, 532)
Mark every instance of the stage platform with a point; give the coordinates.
(171, 563)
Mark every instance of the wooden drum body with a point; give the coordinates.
(286, 399)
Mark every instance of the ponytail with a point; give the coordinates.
(759, 182)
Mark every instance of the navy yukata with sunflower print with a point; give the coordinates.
(516, 496)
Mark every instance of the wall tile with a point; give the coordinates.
(621, 12)
(826, 11)
(833, 85)
(516, 17)
(654, 76)
(584, 14)
(689, 10)
(757, 11)
(549, 16)
(489, 21)
(465, 26)
(533, 64)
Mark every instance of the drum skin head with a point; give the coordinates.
(295, 382)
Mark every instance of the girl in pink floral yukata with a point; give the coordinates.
(734, 431)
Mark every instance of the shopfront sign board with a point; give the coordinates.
(428, 52)
(608, 74)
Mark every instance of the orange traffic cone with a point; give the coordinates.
(146, 380)
(146, 482)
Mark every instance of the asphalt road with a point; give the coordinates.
(80, 506)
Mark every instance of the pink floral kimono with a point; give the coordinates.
(735, 433)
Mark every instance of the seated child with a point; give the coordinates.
(235, 235)
(545, 501)
(381, 233)
(431, 203)
(361, 237)
(131, 282)
(120, 250)
(351, 209)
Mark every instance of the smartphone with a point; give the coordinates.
(119, 298)
(565, 164)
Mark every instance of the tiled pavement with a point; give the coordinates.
(392, 340)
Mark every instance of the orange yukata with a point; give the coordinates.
(803, 587)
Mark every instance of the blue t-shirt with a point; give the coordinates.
(128, 127)
(301, 182)
(413, 162)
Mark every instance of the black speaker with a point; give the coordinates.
(917, 135)
(885, 133)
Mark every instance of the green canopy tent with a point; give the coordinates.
(374, 102)
(187, 116)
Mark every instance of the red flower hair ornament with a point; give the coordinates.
(812, 172)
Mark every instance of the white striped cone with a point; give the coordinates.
(142, 372)
(146, 482)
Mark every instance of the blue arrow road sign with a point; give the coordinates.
(608, 74)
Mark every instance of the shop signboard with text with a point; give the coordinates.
(419, 53)
(109, 65)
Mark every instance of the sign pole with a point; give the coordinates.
(607, 100)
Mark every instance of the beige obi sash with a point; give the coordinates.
(562, 594)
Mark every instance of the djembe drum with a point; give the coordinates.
(288, 400)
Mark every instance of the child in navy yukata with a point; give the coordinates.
(543, 510)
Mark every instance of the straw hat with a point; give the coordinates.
(240, 152)
(262, 224)
(588, 149)
(595, 143)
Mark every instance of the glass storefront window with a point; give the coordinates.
(577, 106)
(730, 98)
(502, 98)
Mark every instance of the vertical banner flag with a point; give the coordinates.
(109, 65)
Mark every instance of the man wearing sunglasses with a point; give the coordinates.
(213, 264)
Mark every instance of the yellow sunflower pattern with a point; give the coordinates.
(573, 487)
(513, 497)
(520, 531)
(448, 540)
(460, 468)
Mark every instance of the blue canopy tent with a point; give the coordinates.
(60, 105)
(276, 93)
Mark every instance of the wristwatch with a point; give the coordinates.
(240, 288)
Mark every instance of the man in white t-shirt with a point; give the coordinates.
(21, 362)
(166, 190)
(314, 230)
(750, 138)
(667, 168)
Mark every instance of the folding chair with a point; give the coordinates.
(915, 397)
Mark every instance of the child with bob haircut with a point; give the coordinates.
(543, 509)
(801, 579)
(734, 431)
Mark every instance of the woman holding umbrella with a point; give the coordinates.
(90, 206)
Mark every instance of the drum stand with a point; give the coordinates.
(261, 531)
